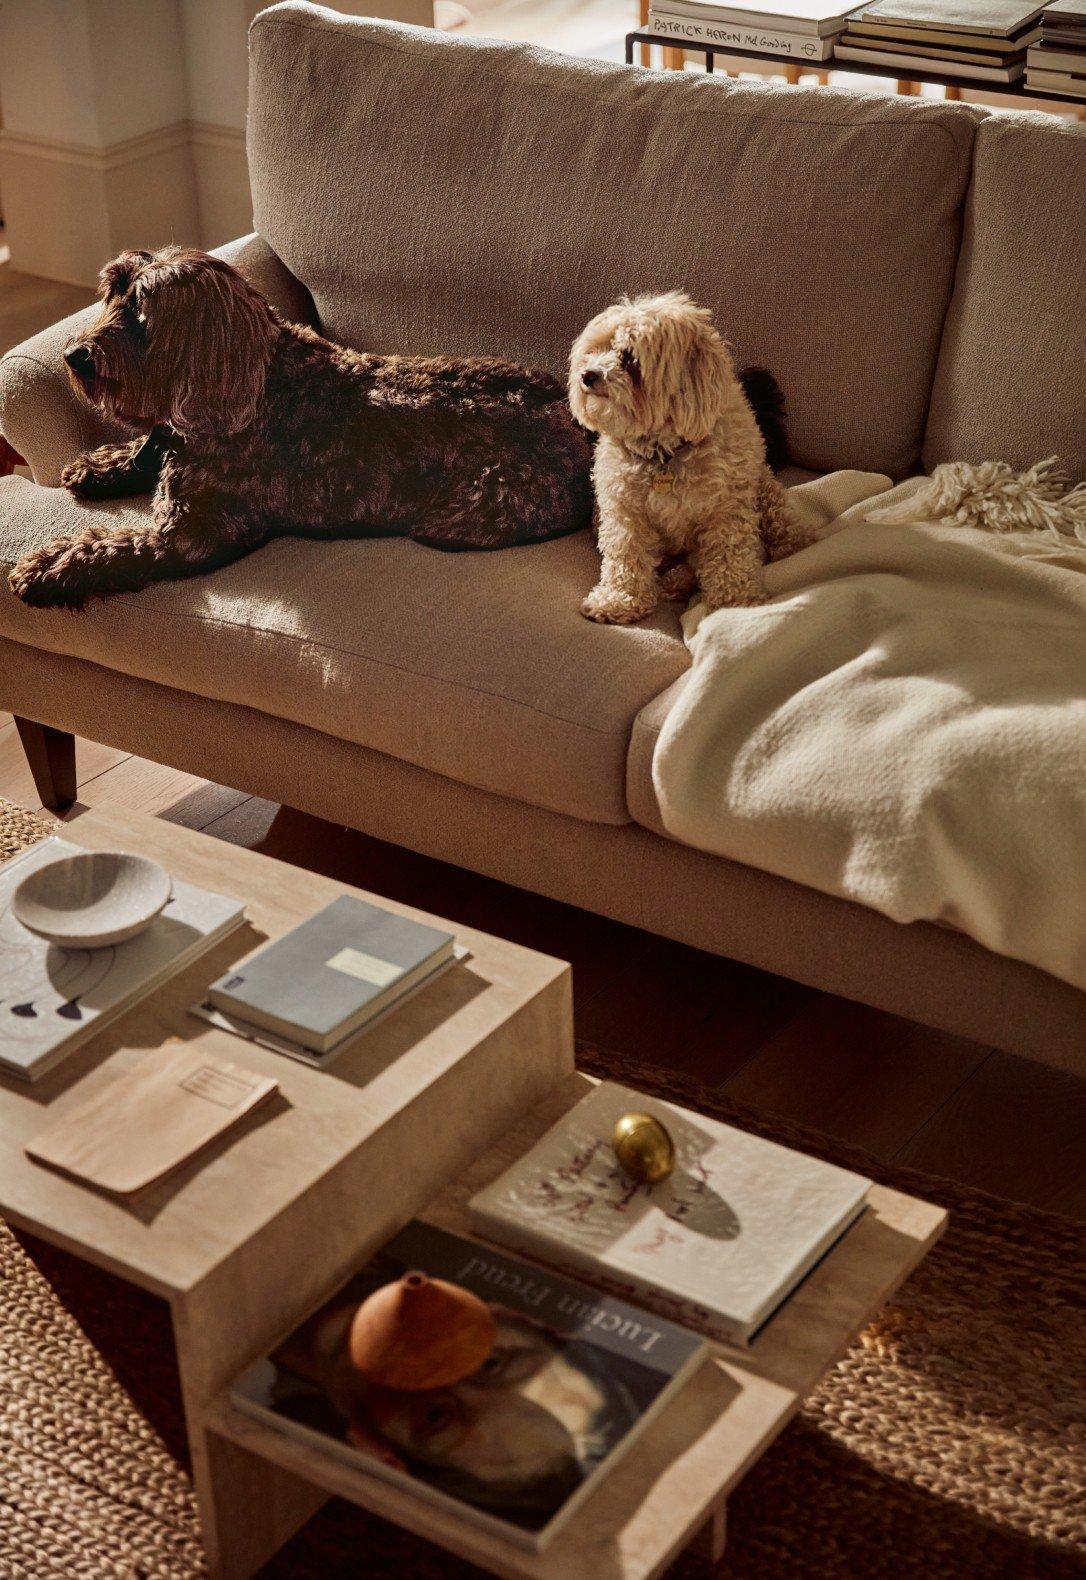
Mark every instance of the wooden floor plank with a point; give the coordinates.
(29, 304)
(144, 786)
(857, 1073)
(1015, 1128)
(691, 1011)
(289, 835)
(16, 781)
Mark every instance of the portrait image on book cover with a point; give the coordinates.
(515, 1439)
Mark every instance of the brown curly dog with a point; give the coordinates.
(261, 428)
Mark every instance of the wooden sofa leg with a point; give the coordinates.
(51, 755)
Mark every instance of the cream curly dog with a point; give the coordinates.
(683, 491)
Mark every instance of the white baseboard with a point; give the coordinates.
(69, 208)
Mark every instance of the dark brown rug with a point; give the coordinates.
(950, 1441)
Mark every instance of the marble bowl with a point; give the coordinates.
(92, 900)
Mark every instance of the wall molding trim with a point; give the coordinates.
(206, 134)
(130, 150)
(70, 206)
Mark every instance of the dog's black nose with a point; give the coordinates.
(81, 361)
(590, 378)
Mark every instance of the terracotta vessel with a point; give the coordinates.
(420, 1333)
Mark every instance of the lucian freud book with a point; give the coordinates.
(333, 973)
(720, 1243)
(573, 1378)
(53, 999)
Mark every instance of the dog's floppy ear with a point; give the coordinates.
(705, 378)
(228, 331)
(117, 276)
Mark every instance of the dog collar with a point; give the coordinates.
(148, 459)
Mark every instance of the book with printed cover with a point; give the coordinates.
(572, 1380)
(53, 999)
(719, 1244)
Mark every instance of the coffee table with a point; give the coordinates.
(267, 1222)
(432, 1104)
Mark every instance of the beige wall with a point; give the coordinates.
(124, 125)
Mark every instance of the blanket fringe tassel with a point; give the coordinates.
(992, 497)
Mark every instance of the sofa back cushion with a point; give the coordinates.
(471, 197)
(1012, 369)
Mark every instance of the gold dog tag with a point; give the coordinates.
(662, 482)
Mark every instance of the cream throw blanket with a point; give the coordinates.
(903, 725)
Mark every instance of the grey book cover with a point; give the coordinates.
(332, 972)
(1002, 18)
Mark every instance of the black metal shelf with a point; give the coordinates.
(857, 68)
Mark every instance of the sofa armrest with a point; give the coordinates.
(43, 418)
(266, 270)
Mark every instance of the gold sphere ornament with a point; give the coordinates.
(645, 1151)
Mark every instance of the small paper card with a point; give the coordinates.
(144, 1124)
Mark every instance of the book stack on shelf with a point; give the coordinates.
(1057, 62)
(803, 30)
(978, 40)
(504, 1390)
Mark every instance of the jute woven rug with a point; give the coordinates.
(950, 1441)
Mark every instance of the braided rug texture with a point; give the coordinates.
(949, 1442)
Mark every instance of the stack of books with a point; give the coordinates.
(719, 1244)
(1057, 63)
(310, 992)
(573, 1380)
(577, 1369)
(803, 30)
(978, 40)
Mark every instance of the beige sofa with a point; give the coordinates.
(911, 272)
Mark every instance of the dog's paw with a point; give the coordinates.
(611, 608)
(47, 579)
(678, 582)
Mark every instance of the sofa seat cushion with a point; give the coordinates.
(1012, 366)
(476, 666)
(459, 195)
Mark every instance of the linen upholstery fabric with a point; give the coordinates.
(625, 872)
(43, 417)
(1012, 368)
(466, 196)
(477, 666)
